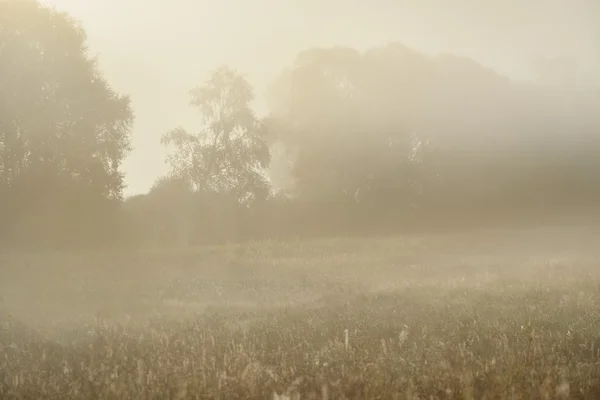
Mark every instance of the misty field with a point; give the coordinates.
(488, 314)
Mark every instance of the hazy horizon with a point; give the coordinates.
(407, 207)
(157, 51)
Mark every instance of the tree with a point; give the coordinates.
(163, 217)
(64, 131)
(359, 141)
(228, 155)
(363, 127)
(224, 163)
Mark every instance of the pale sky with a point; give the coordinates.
(157, 50)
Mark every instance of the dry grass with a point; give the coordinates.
(495, 315)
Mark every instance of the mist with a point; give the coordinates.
(299, 200)
(174, 47)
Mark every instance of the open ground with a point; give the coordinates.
(486, 314)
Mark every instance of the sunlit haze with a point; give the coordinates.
(157, 50)
(299, 199)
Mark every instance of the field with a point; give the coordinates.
(477, 315)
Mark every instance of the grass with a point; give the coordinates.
(487, 315)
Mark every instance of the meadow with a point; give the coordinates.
(488, 314)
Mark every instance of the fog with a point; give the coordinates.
(299, 199)
(157, 50)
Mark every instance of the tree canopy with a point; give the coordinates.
(228, 154)
(386, 116)
(384, 137)
(63, 130)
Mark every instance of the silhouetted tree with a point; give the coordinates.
(228, 155)
(165, 216)
(346, 120)
(224, 163)
(396, 131)
(63, 130)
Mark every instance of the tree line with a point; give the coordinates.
(369, 142)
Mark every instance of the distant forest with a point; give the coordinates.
(382, 141)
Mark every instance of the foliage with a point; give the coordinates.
(395, 129)
(63, 130)
(357, 142)
(366, 142)
(229, 154)
(397, 140)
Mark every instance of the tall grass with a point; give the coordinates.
(339, 319)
